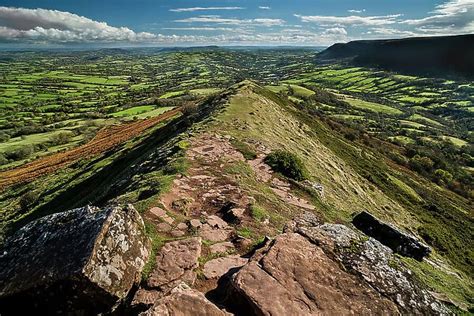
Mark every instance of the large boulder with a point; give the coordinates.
(82, 261)
(390, 236)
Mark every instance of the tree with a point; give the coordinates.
(420, 163)
(443, 176)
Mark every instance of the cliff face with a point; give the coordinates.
(449, 55)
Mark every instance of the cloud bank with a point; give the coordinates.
(21, 25)
(58, 26)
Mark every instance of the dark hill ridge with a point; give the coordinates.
(444, 55)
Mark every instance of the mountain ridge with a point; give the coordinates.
(443, 55)
(208, 164)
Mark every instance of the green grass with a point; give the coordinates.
(411, 124)
(258, 212)
(205, 91)
(348, 116)
(409, 191)
(458, 289)
(133, 111)
(248, 152)
(172, 94)
(299, 91)
(375, 107)
(402, 139)
(412, 99)
(157, 241)
(456, 141)
(421, 118)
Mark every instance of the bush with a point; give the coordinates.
(419, 163)
(443, 176)
(189, 109)
(287, 164)
(28, 199)
(3, 160)
(20, 153)
(60, 138)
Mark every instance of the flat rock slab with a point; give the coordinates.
(62, 260)
(184, 301)
(222, 247)
(163, 227)
(146, 298)
(175, 262)
(215, 234)
(195, 224)
(161, 215)
(216, 222)
(216, 268)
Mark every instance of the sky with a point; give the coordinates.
(227, 22)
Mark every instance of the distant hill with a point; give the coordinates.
(438, 56)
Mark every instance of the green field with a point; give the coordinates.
(134, 111)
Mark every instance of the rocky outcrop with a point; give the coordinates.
(372, 262)
(81, 261)
(184, 301)
(316, 268)
(390, 236)
(302, 280)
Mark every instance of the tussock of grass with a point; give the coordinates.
(258, 212)
(157, 241)
(244, 149)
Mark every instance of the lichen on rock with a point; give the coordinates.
(62, 261)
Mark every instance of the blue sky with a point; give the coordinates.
(231, 22)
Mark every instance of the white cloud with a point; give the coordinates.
(453, 17)
(264, 8)
(230, 21)
(350, 20)
(356, 11)
(194, 9)
(52, 25)
(391, 32)
(336, 31)
(208, 28)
